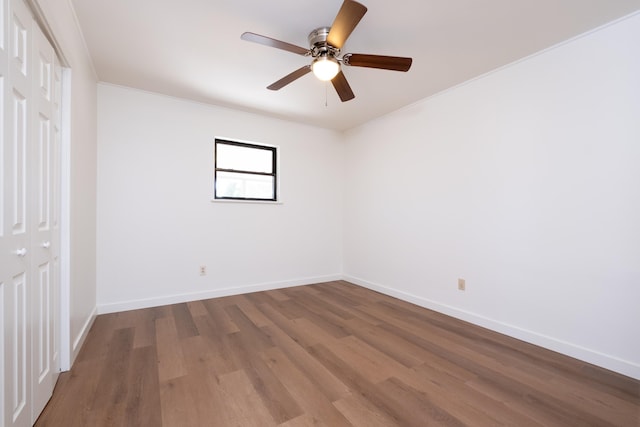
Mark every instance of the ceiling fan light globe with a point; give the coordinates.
(325, 68)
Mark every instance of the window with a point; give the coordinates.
(245, 171)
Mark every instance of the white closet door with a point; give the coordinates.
(43, 242)
(29, 216)
(16, 256)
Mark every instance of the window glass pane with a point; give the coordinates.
(244, 158)
(244, 186)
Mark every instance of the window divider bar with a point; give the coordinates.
(245, 171)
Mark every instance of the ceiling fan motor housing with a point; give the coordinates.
(318, 44)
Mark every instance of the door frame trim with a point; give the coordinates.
(65, 221)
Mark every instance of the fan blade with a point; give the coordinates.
(342, 87)
(268, 41)
(289, 78)
(395, 63)
(348, 17)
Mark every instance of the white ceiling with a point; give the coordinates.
(192, 48)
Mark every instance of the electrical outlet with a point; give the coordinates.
(203, 270)
(461, 285)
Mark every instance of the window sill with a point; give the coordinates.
(259, 202)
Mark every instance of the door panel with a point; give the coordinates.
(17, 319)
(42, 329)
(18, 182)
(20, 21)
(43, 158)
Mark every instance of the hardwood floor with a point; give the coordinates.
(331, 354)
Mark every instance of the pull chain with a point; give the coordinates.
(326, 91)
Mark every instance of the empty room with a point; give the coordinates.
(339, 213)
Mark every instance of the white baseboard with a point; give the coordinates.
(587, 355)
(82, 335)
(213, 293)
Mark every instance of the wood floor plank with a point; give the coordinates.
(248, 330)
(368, 361)
(424, 411)
(389, 344)
(219, 317)
(217, 344)
(301, 330)
(108, 402)
(315, 403)
(183, 321)
(196, 308)
(330, 324)
(331, 354)
(145, 328)
(362, 413)
(290, 309)
(275, 397)
(610, 382)
(170, 359)
(333, 299)
(527, 405)
(177, 406)
(143, 405)
(251, 311)
(100, 332)
(332, 388)
(244, 405)
(206, 399)
(277, 295)
(453, 395)
(366, 389)
(305, 420)
(352, 296)
(319, 305)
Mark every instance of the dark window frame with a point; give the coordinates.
(274, 169)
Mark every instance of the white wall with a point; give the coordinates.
(157, 225)
(526, 183)
(82, 150)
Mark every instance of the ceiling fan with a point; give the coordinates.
(324, 47)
